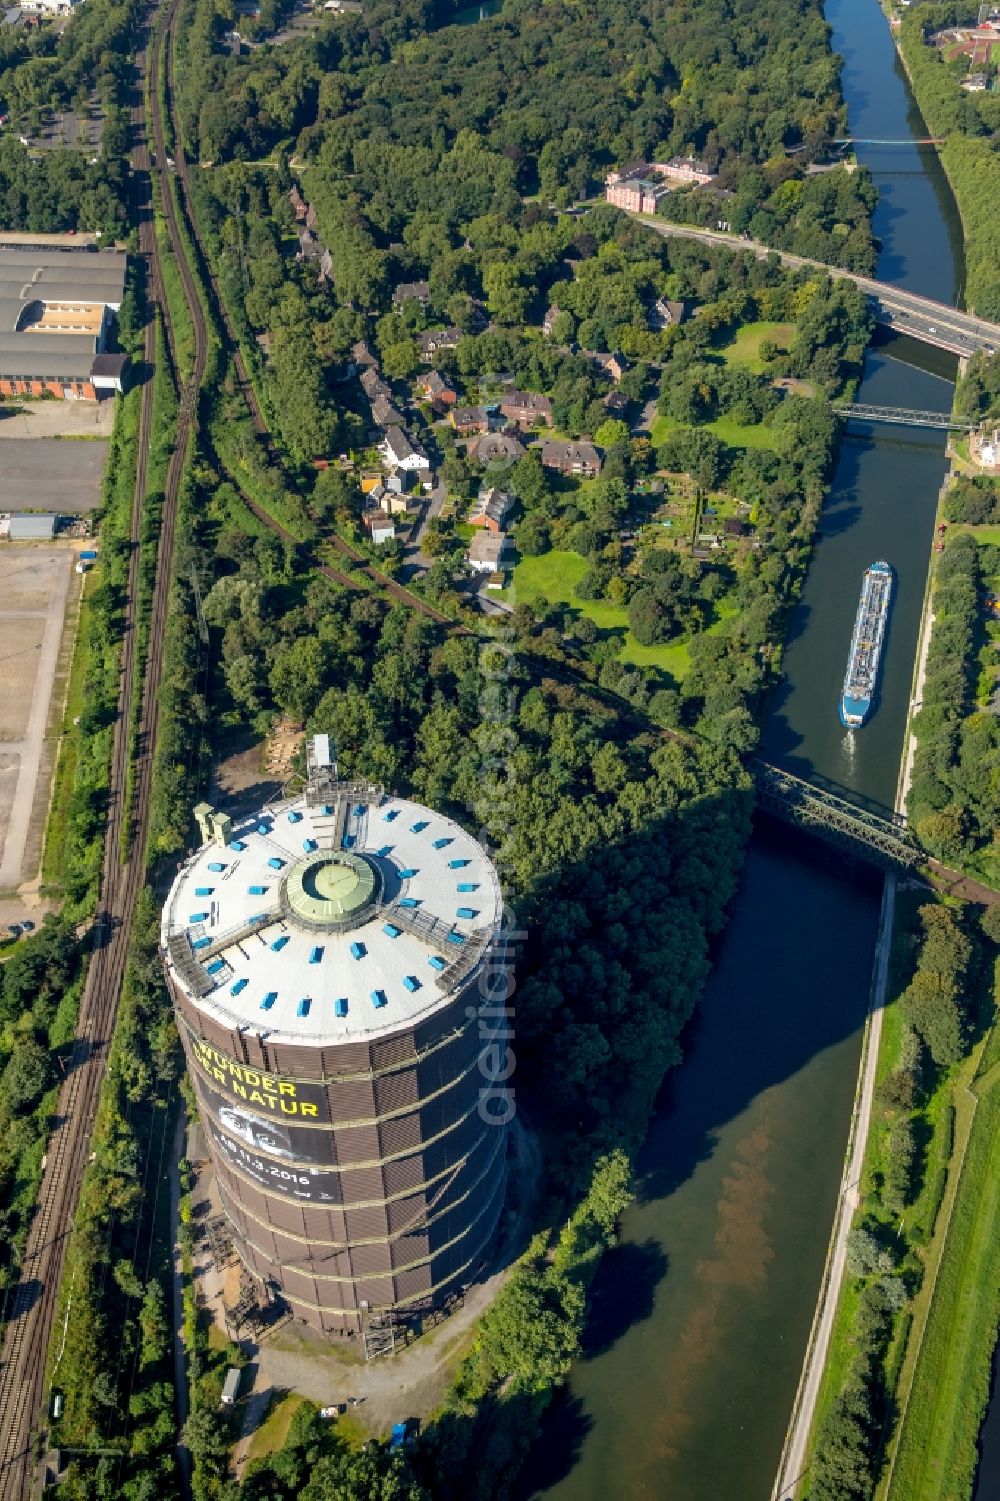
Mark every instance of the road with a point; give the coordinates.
(794, 1454)
(921, 317)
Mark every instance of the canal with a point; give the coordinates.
(700, 1316)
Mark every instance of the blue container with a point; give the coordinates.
(390, 930)
(315, 955)
(279, 943)
(436, 962)
(302, 1009)
(411, 982)
(340, 1007)
(358, 951)
(379, 998)
(269, 1000)
(239, 986)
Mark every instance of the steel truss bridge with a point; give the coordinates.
(875, 836)
(903, 416)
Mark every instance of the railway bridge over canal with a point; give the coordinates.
(862, 830)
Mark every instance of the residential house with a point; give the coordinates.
(435, 388)
(976, 83)
(669, 312)
(578, 459)
(343, 7)
(486, 551)
(497, 448)
(310, 246)
(613, 365)
(400, 452)
(635, 189)
(362, 355)
(380, 528)
(491, 509)
(687, 171)
(433, 340)
(469, 421)
(549, 321)
(299, 205)
(412, 291)
(372, 383)
(525, 408)
(733, 527)
(384, 414)
(616, 403)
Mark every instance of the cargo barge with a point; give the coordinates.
(866, 646)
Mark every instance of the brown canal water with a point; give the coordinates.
(700, 1315)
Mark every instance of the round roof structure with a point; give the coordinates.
(331, 922)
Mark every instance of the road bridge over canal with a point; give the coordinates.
(875, 836)
(921, 317)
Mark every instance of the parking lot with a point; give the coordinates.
(51, 474)
(34, 589)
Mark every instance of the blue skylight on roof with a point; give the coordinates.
(237, 844)
(392, 813)
(379, 997)
(276, 863)
(436, 962)
(215, 966)
(295, 816)
(340, 1007)
(239, 986)
(279, 942)
(302, 1009)
(419, 826)
(457, 864)
(468, 886)
(390, 930)
(440, 844)
(269, 1000)
(405, 875)
(309, 845)
(358, 951)
(201, 943)
(257, 890)
(385, 850)
(216, 865)
(315, 954)
(409, 901)
(411, 982)
(203, 890)
(466, 912)
(199, 917)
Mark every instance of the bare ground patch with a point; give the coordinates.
(20, 642)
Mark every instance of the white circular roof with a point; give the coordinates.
(327, 923)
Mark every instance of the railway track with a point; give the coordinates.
(246, 388)
(31, 1302)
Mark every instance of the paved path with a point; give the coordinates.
(29, 749)
(793, 1459)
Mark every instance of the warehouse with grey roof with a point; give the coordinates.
(57, 308)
